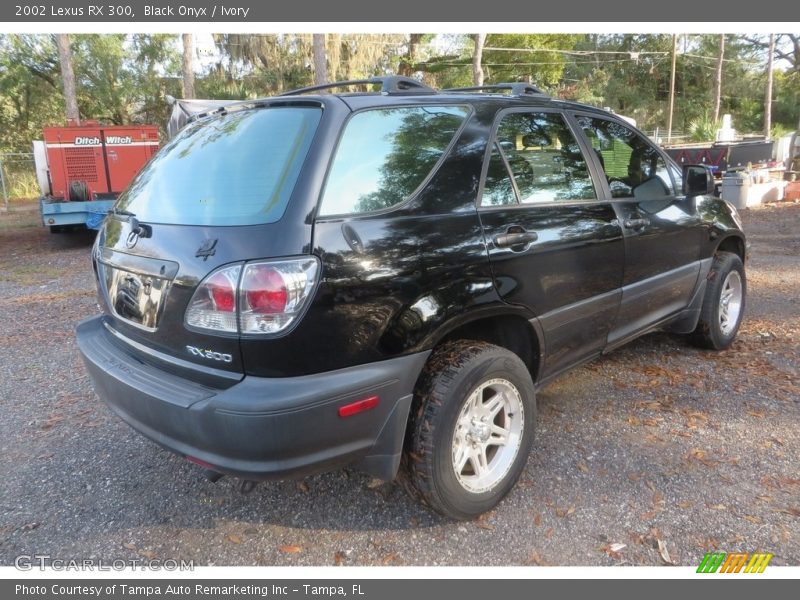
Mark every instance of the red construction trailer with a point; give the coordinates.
(88, 166)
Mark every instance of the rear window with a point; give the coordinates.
(385, 155)
(236, 169)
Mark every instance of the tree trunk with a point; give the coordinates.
(768, 95)
(718, 78)
(68, 77)
(672, 87)
(407, 63)
(188, 65)
(477, 58)
(320, 60)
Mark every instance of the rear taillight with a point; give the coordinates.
(272, 294)
(262, 297)
(213, 305)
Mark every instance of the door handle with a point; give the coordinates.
(515, 238)
(636, 224)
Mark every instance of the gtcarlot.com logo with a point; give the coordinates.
(734, 562)
(28, 562)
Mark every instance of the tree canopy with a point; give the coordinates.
(126, 78)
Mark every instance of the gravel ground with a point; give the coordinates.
(654, 454)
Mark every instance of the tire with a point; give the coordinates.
(56, 229)
(723, 303)
(458, 385)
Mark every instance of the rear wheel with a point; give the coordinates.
(723, 304)
(473, 427)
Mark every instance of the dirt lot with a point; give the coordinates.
(654, 454)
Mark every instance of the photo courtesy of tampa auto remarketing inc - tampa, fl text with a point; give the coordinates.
(346, 300)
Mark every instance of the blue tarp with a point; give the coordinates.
(94, 219)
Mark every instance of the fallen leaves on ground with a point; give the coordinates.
(664, 553)
(754, 519)
(565, 512)
(534, 558)
(614, 549)
(701, 456)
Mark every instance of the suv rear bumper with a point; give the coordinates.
(258, 428)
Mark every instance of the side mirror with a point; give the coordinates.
(697, 181)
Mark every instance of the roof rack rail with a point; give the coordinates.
(518, 88)
(393, 84)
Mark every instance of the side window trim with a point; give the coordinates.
(595, 168)
(509, 172)
(413, 195)
(573, 116)
(596, 173)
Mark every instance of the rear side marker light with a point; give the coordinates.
(348, 410)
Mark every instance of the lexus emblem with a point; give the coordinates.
(133, 237)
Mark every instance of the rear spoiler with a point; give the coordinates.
(184, 111)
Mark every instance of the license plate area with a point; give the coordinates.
(135, 297)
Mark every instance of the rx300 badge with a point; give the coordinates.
(210, 354)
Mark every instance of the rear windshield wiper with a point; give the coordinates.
(121, 212)
(138, 228)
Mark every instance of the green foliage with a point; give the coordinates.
(703, 129)
(527, 57)
(630, 74)
(786, 100)
(125, 78)
(264, 64)
(120, 79)
(506, 58)
(30, 90)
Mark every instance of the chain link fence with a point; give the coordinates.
(17, 176)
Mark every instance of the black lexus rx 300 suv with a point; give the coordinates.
(315, 280)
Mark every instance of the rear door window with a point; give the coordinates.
(385, 155)
(544, 158)
(236, 169)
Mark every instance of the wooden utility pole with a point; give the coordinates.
(477, 58)
(320, 59)
(718, 78)
(672, 87)
(768, 94)
(188, 65)
(68, 77)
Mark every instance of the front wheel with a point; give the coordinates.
(723, 303)
(473, 428)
